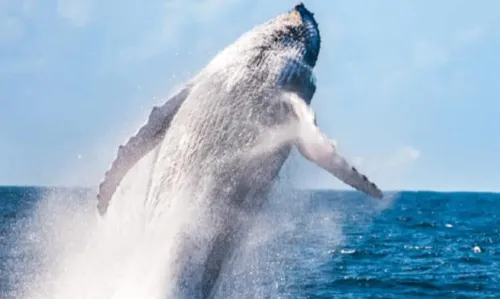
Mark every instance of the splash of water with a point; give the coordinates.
(82, 256)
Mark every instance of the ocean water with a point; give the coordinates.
(317, 244)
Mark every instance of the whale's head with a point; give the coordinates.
(296, 31)
(293, 35)
(281, 52)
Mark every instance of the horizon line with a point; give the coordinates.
(298, 189)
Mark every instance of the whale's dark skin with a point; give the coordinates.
(206, 137)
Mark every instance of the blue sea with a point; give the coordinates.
(325, 244)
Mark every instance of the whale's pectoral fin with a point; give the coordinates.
(319, 149)
(146, 139)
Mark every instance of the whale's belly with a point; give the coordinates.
(223, 136)
(216, 164)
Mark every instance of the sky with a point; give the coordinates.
(410, 90)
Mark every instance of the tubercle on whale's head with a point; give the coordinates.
(299, 29)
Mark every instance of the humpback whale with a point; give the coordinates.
(222, 140)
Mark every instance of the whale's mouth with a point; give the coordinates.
(310, 31)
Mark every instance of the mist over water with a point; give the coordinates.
(75, 254)
(262, 266)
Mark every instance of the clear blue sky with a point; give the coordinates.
(409, 89)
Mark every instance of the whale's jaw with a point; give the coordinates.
(311, 33)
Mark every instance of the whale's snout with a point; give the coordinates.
(302, 10)
(309, 29)
(304, 16)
